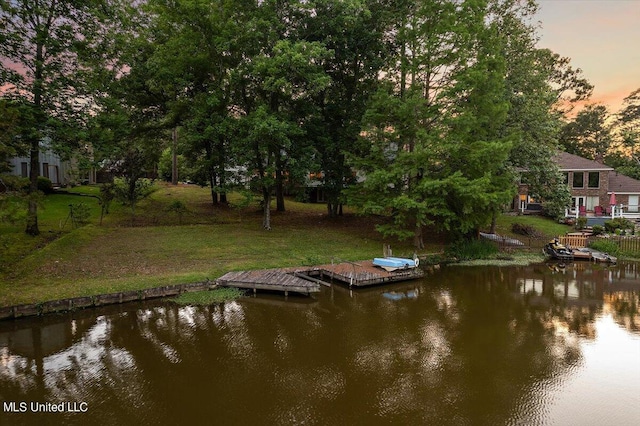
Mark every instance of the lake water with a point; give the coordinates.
(536, 345)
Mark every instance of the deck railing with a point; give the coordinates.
(574, 241)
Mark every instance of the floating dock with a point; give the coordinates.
(359, 274)
(308, 279)
(268, 279)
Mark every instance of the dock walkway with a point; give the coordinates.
(307, 279)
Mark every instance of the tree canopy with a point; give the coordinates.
(421, 111)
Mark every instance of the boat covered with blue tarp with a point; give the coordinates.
(395, 263)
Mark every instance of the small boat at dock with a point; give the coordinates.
(558, 251)
(555, 250)
(394, 263)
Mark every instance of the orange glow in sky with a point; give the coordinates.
(601, 37)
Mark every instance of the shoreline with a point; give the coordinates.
(26, 310)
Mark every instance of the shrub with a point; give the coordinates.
(581, 223)
(597, 229)
(45, 185)
(129, 191)
(474, 249)
(179, 208)
(605, 246)
(618, 223)
(12, 208)
(14, 183)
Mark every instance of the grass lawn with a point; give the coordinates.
(544, 226)
(151, 249)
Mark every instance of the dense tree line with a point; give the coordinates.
(422, 111)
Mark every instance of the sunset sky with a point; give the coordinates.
(601, 37)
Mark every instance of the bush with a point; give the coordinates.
(45, 185)
(474, 249)
(597, 229)
(179, 208)
(130, 192)
(618, 223)
(12, 208)
(605, 246)
(14, 183)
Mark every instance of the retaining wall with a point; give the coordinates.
(19, 311)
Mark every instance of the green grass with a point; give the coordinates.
(210, 297)
(153, 250)
(544, 225)
(119, 257)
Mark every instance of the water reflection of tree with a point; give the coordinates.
(475, 346)
(624, 308)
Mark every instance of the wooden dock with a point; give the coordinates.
(268, 279)
(359, 274)
(308, 279)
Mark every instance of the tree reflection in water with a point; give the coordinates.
(480, 345)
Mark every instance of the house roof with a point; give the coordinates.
(570, 162)
(621, 184)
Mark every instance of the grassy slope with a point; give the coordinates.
(117, 256)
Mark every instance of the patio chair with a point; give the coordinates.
(598, 210)
(582, 210)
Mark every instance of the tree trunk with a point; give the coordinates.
(222, 175)
(32, 213)
(211, 171)
(494, 220)
(266, 216)
(332, 209)
(279, 190)
(418, 242)
(174, 157)
(212, 185)
(34, 160)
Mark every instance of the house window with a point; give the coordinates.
(45, 170)
(594, 180)
(578, 179)
(24, 171)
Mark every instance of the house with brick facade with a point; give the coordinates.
(596, 189)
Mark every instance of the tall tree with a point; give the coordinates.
(354, 31)
(540, 85)
(628, 124)
(42, 45)
(588, 134)
(277, 86)
(434, 122)
(197, 45)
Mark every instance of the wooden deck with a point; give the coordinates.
(358, 274)
(308, 279)
(268, 279)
